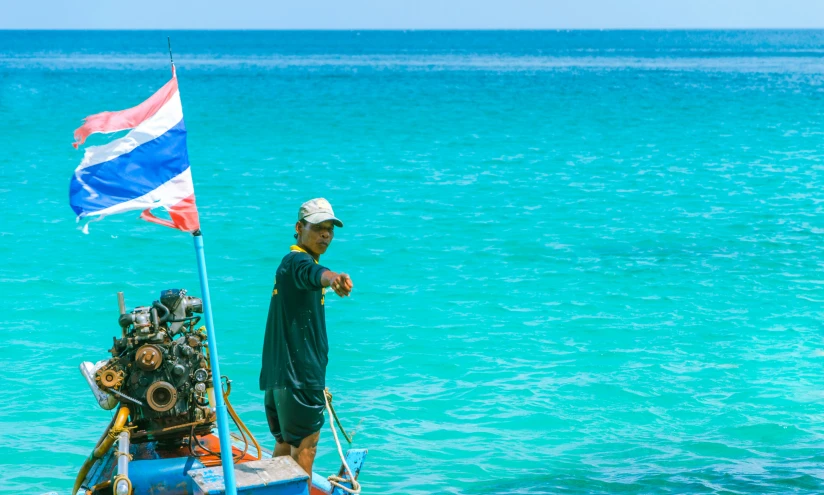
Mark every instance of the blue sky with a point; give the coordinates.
(409, 14)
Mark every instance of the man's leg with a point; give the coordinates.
(304, 454)
(282, 448)
(301, 416)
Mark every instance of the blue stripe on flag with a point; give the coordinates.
(131, 175)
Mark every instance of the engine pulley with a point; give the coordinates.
(148, 357)
(109, 378)
(161, 396)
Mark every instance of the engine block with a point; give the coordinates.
(160, 369)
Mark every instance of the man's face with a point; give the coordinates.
(316, 237)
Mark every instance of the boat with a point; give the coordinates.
(163, 374)
(162, 439)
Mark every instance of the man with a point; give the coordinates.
(295, 348)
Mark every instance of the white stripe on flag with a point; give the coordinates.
(158, 124)
(168, 194)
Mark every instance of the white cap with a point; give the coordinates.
(318, 210)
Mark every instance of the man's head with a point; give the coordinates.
(315, 227)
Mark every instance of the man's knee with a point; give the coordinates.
(311, 441)
(308, 443)
(307, 449)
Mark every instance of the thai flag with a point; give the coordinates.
(147, 168)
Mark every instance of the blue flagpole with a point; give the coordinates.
(220, 406)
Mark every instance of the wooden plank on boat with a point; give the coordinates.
(277, 476)
(101, 470)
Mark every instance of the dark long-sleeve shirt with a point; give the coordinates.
(295, 349)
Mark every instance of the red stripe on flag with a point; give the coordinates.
(183, 216)
(125, 119)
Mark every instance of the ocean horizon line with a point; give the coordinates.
(402, 30)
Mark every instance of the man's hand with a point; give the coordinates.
(342, 285)
(339, 282)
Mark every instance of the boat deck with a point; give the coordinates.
(169, 471)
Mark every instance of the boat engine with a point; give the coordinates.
(159, 368)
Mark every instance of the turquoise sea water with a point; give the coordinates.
(584, 262)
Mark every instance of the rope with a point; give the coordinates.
(335, 480)
(115, 432)
(126, 454)
(335, 415)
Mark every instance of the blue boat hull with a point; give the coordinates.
(157, 471)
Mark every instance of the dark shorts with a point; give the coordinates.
(293, 414)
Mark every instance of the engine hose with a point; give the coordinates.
(242, 434)
(241, 424)
(165, 316)
(234, 416)
(103, 446)
(242, 427)
(193, 440)
(217, 461)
